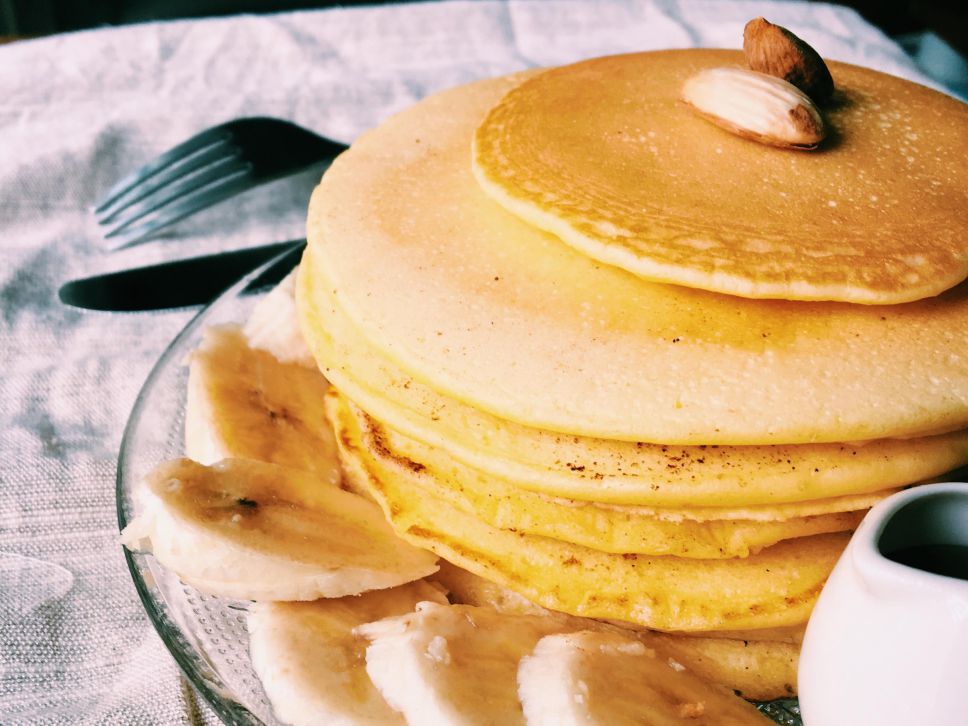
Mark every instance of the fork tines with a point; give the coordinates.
(208, 168)
(198, 173)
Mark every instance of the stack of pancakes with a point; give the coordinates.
(603, 353)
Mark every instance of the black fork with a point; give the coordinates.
(208, 168)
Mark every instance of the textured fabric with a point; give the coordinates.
(78, 111)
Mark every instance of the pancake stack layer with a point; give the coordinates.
(519, 287)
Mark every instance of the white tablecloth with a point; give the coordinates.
(77, 111)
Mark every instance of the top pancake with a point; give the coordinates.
(602, 154)
(476, 304)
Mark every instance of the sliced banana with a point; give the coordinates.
(273, 325)
(593, 677)
(456, 664)
(313, 667)
(244, 403)
(255, 531)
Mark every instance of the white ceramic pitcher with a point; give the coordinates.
(887, 643)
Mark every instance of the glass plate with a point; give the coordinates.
(206, 635)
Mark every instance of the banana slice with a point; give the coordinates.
(456, 664)
(244, 403)
(256, 531)
(313, 667)
(593, 677)
(273, 325)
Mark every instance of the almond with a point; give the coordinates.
(774, 50)
(756, 106)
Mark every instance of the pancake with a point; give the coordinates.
(465, 587)
(759, 670)
(761, 665)
(608, 529)
(476, 304)
(605, 471)
(776, 587)
(633, 178)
